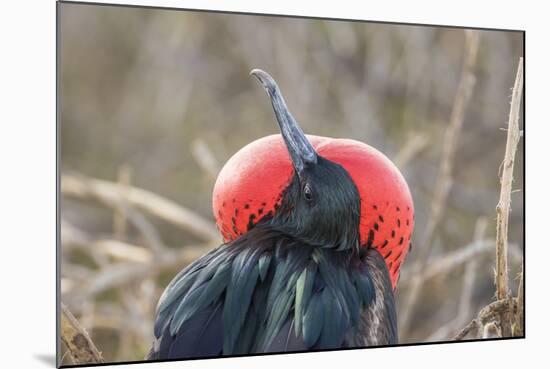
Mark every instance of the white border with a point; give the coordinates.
(27, 154)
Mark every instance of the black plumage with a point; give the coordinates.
(286, 285)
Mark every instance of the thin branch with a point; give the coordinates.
(75, 271)
(464, 331)
(139, 263)
(119, 274)
(123, 251)
(71, 235)
(517, 328)
(454, 259)
(67, 357)
(412, 147)
(444, 179)
(205, 158)
(74, 237)
(147, 230)
(79, 343)
(465, 305)
(486, 315)
(451, 138)
(120, 218)
(113, 317)
(503, 207)
(108, 193)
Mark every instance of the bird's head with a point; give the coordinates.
(335, 193)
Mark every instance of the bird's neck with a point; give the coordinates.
(284, 225)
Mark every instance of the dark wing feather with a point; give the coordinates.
(201, 336)
(286, 340)
(378, 321)
(335, 324)
(244, 278)
(262, 294)
(189, 314)
(210, 308)
(312, 323)
(177, 288)
(197, 337)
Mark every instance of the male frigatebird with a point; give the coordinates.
(315, 232)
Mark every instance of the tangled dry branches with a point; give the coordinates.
(506, 314)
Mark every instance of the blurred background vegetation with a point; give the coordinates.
(160, 99)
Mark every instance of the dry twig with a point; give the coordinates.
(79, 343)
(486, 315)
(109, 194)
(465, 304)
(467, 329)
(517, 328)
(120, 217)
(204, 156)
(454, 259)
(413, 146)
(503, 207)
(122, 273)
(504, 317)
(464, 307)
(73, 237)
(444, 180)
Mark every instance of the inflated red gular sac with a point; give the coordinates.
(316, 230)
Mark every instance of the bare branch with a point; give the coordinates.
(74, 237)
(120, 217)
(465, 305)
(517, 328)
(147, 230)
(79, 343)
(503, 207)
(451, 138)
(108, 193)
(464, 331)
(413, 146)
(486, 315)
(114, 317)
(205, 158)
(122, 273)
(444, 179)
(448, 262)
(123, 251)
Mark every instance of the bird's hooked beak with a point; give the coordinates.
(301, 152)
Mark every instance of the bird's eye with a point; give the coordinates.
(308, 193)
